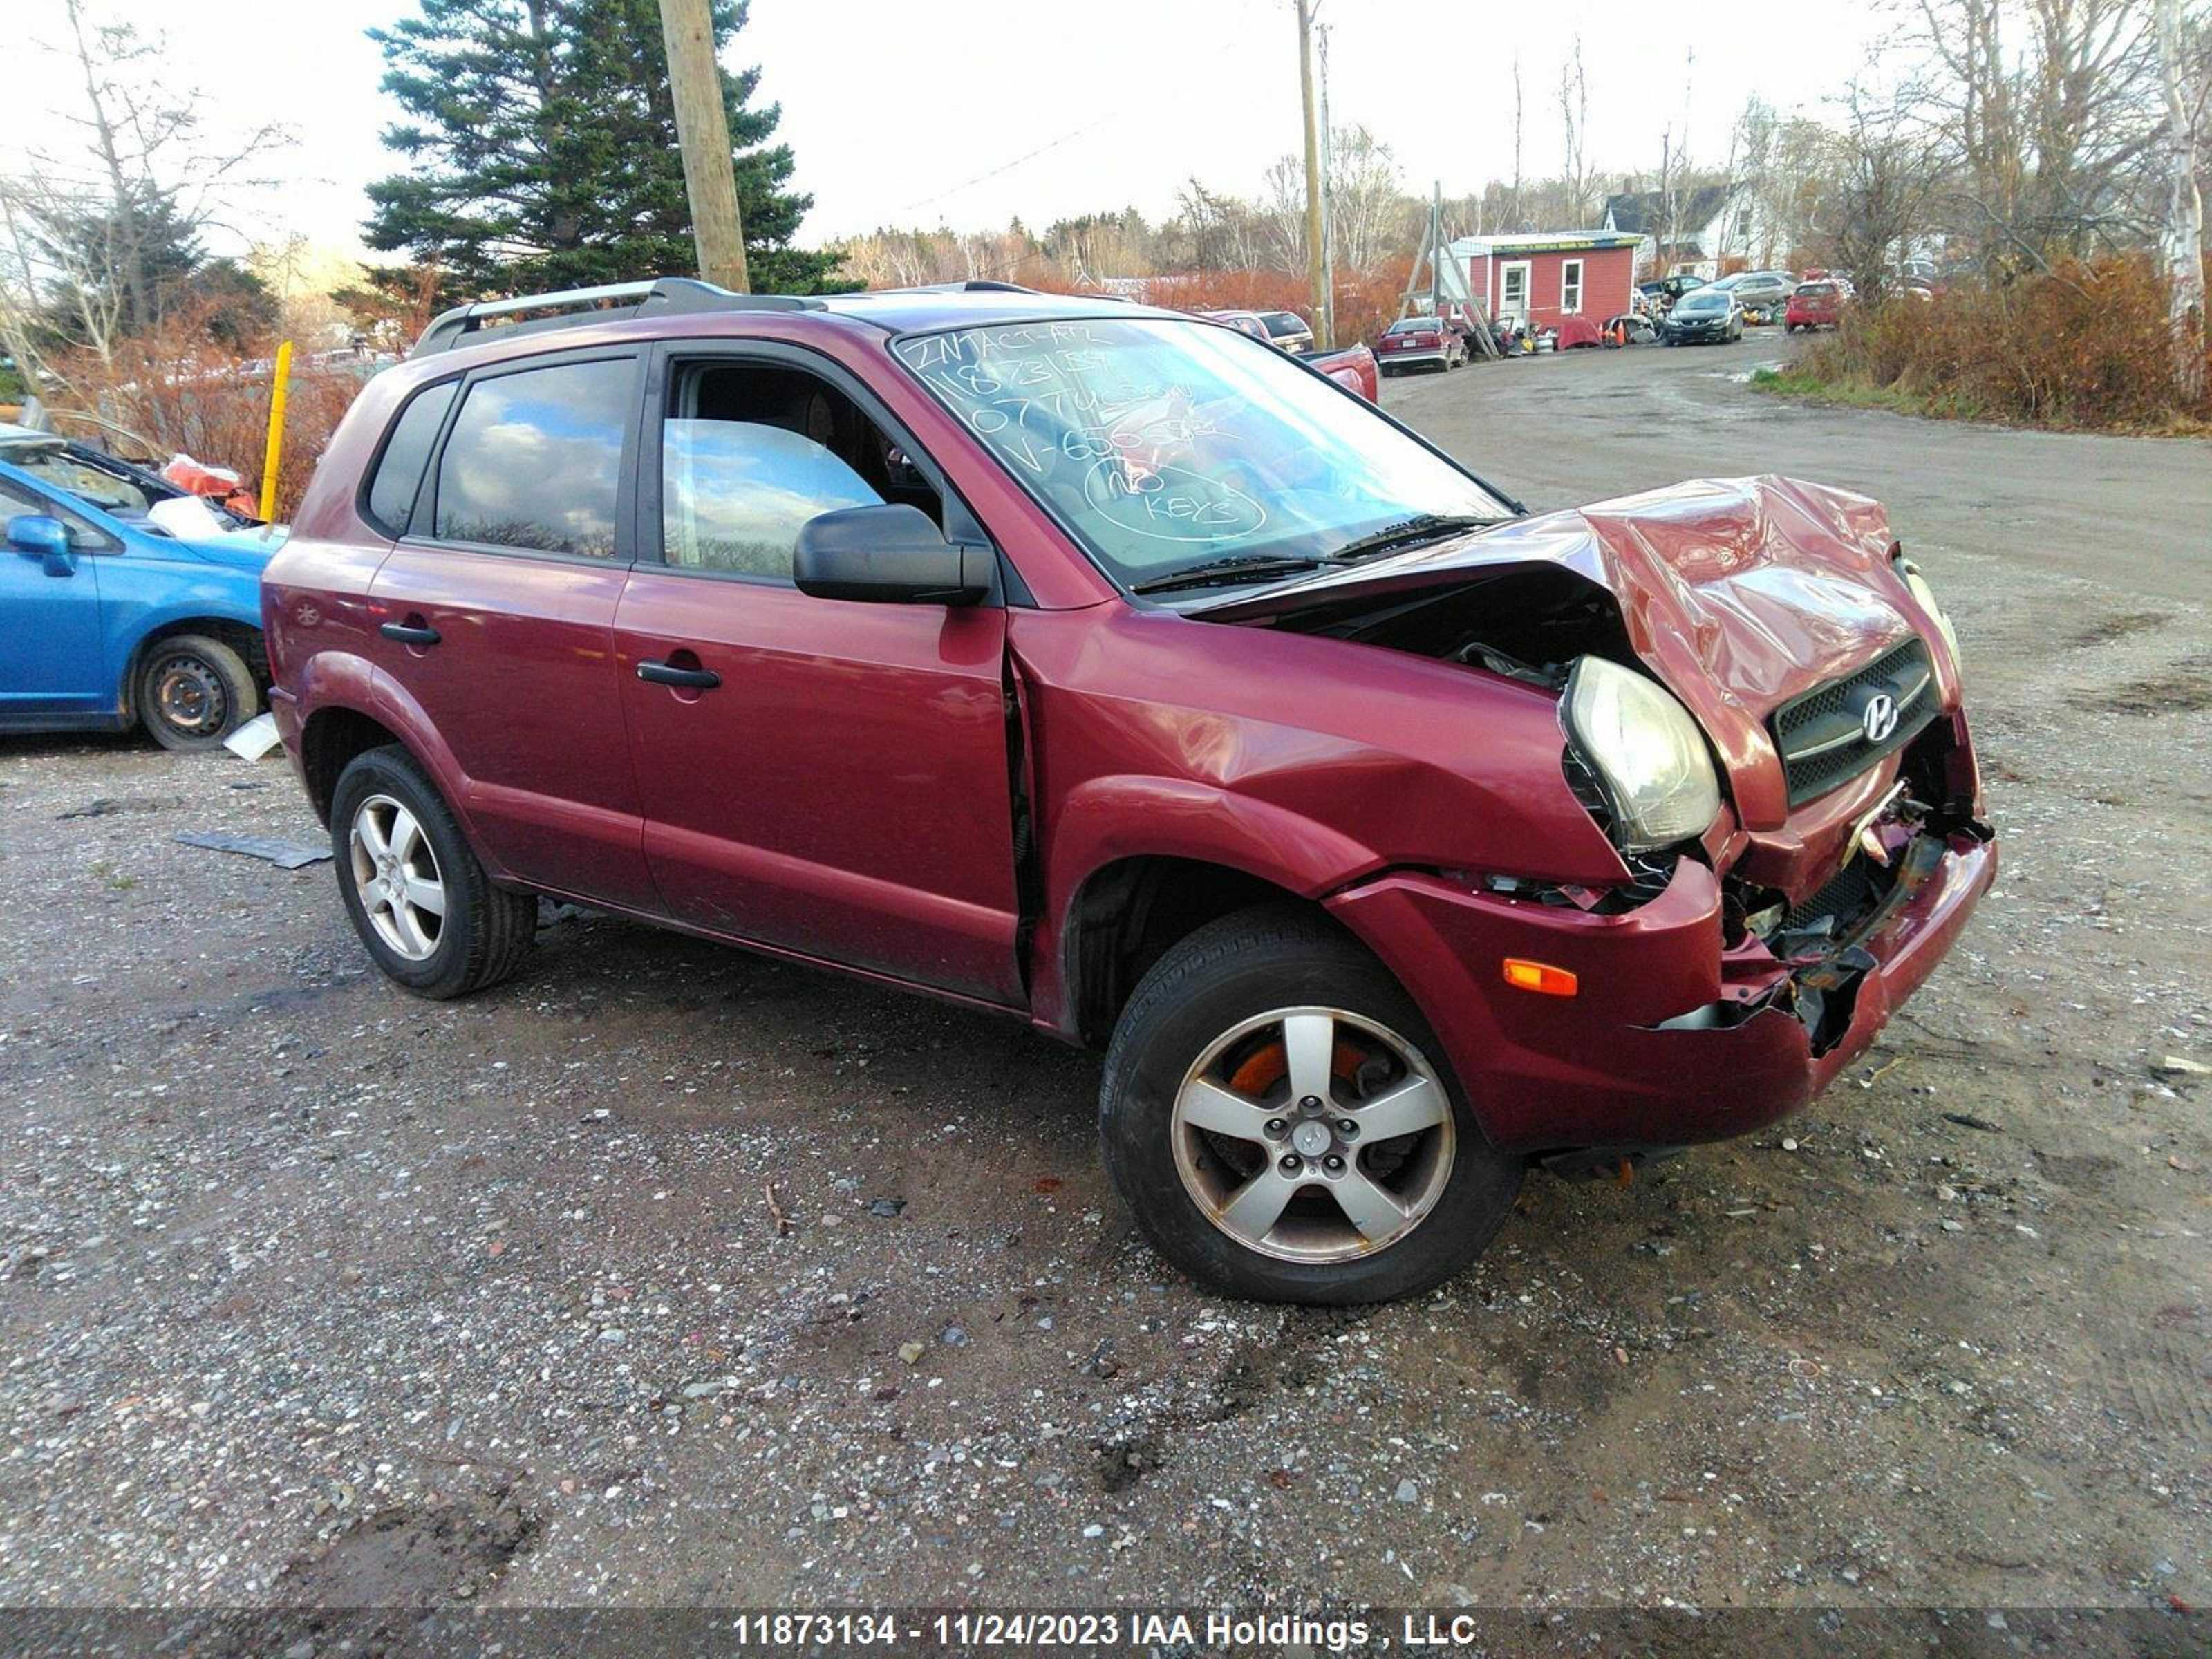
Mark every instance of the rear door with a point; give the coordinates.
(51, 661)
(842, 789)
(495, 609)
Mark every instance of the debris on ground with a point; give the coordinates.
(289, 854)
(1968, 1120)
(255, 738)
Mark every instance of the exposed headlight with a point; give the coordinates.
(1649, 756)
(1926, 595)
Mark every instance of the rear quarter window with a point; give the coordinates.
(398, 475)
(534, 459)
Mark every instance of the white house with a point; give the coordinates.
(1710, 224)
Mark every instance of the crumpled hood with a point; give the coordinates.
(1738, 594)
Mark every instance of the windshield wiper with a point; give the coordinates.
(1409, 532)
(1236, 567)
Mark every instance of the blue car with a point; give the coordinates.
(123, 600)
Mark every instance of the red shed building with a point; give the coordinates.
(1543, 275)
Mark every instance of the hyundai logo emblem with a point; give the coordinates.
(1879, 718)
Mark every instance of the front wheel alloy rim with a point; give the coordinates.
(397, 876)
(1313, 1135)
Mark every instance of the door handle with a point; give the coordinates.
(664, 673)
(409, 636)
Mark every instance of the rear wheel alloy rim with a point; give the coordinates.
(397, 876)
(189, 696)
(1313, 1135)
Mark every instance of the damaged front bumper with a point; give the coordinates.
(1673, 1036)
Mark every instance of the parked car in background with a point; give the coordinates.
(124, 599)
(1244, 322)
(1093, 665)
(1289, 331)
(1758, 290)
(1353, 368)
(1702, 316)
(1813, 305)
(1663, 292)
(1419, 342)
(1460, 323)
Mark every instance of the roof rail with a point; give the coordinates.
(571, 307)
(971, 285)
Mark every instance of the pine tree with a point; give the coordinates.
(542, 152)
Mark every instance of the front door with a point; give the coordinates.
(496, 617)
(1513, 288)
(51, 661)
(842, 789)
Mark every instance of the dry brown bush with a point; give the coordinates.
(1366, 301)
(2085, 345)
(178, 390)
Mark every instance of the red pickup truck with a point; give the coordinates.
(1353, 368)
(1102, 667)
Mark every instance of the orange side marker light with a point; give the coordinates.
(1540, 977)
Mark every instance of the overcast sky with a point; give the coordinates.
(970, 112)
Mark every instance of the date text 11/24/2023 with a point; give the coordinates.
(1066, 1629)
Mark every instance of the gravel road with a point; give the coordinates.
(665, 1274)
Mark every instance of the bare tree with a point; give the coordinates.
(1574, 119)
(1221, 233)
(1513, 212)
(1373, 211)
(2050, 114)
(1887, 173)
(2181, 244)
(91, 235)
(1282, 215)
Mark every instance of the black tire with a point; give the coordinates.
(193, 691)
(484, 931)
(1229, 972)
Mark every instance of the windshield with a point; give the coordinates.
(1161, 445)
(97, 486)
(1704, 299)
(1415, 326)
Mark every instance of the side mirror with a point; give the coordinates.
(890, 554)
(42, 537)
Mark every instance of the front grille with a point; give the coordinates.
(1849, 895)
(1821, 736)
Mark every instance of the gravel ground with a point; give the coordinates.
(663, 1274)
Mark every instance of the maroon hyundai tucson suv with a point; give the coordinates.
(1105, 667)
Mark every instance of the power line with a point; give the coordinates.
(1008, 166)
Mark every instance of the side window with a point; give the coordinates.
(750, 451)
(399, 473)
(534, 459)
(84, 536)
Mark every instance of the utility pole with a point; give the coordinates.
(1317, 284)
(1327, 200)
(703, 134)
